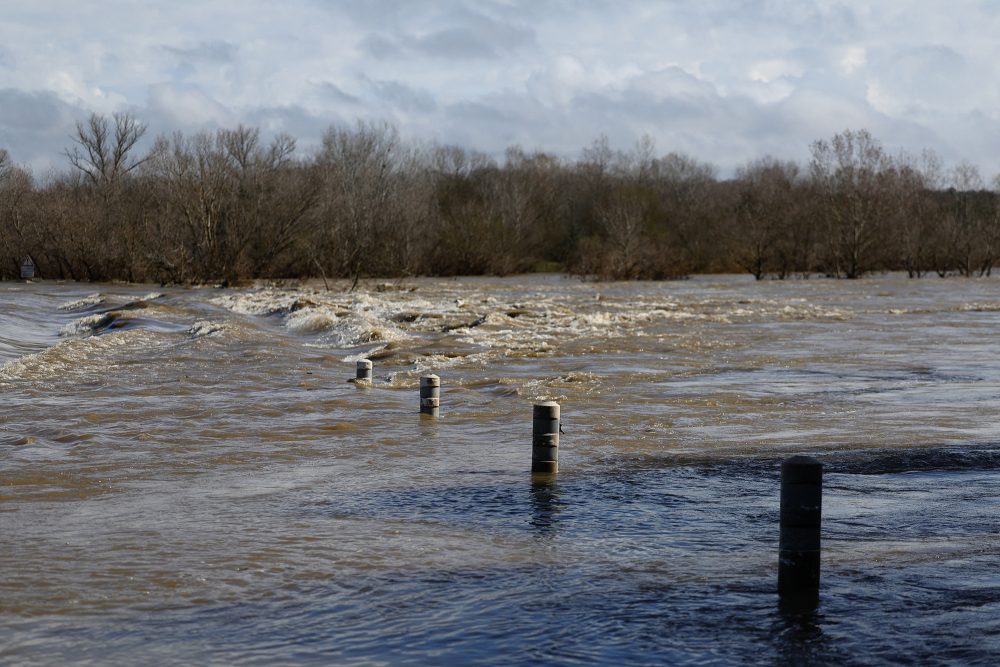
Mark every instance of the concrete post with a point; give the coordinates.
(545, 438)
(799, 544)
(364, 370)
(430, 395)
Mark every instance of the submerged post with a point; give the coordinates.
(364, 370)
(545, 437)
(799, 544)
(430, 395)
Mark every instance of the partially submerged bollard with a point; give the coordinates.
(545, 437)
(799, 544)
(430, 395)
(364, 370)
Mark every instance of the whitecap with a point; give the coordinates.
(310, 320)
(87, 325)
(265, 302)
(82, 303)
(206, 328)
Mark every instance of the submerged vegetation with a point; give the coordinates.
(227, 206)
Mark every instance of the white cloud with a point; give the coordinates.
(724, 81)
(188, 107)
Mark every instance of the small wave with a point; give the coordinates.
(82, 303)
(89, 358)
(980, 307)
(310, 320)
(886, 462)
(264, 302)
(206, 328)
(152, 296)
(86, 326)
(363, 328)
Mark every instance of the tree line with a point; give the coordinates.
(226, 206)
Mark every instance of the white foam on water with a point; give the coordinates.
(261, 302)
(311, 320)
(980, 307)
(361, 328)
(206, 328)
(88, 358)
(358, 356)
(87, 325)
(341, 320)
(82, 303)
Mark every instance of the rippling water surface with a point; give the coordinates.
(186, 476)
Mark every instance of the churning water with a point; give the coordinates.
(186, 476)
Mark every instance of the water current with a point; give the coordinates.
(187, 476)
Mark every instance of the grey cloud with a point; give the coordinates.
(192, 59)
(36, 126)
(682, 113)
(403, 97)
(380, 47)
(216, 52)
(23, 111)
(724, 80)
(8, 59)
(306, 127)
(186, 107)
(920, 78)
(455, 43)
(333, 93)
(468, 35)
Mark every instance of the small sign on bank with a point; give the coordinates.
(28, 268)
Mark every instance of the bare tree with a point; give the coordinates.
(105, 150)
(625, 219)
(848, 172)
(765, 212)
(366, 172)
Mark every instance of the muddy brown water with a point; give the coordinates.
(187, 477)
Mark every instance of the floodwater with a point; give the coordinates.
(187, 476)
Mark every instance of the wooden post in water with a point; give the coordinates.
(545, 437)
(364, 370)
(799, 544)
(430, 395)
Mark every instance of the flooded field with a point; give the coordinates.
(187, 477)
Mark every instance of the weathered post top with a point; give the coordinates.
(430, 395)
(364, 370)
(546, 410)
(802, 470)
(545, 437)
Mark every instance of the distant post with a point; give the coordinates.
(545, 437)
(27, 268)
(364, 371)
(430, 395)
(799, 544)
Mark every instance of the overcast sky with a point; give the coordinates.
(725, 81)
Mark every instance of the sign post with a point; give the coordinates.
(28, 268)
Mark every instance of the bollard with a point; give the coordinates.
(364, 370)
(545, 438)
(430, 395)
(799, 544)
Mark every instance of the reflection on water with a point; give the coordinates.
(545, 503)
(799, 639)
(186, 474)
